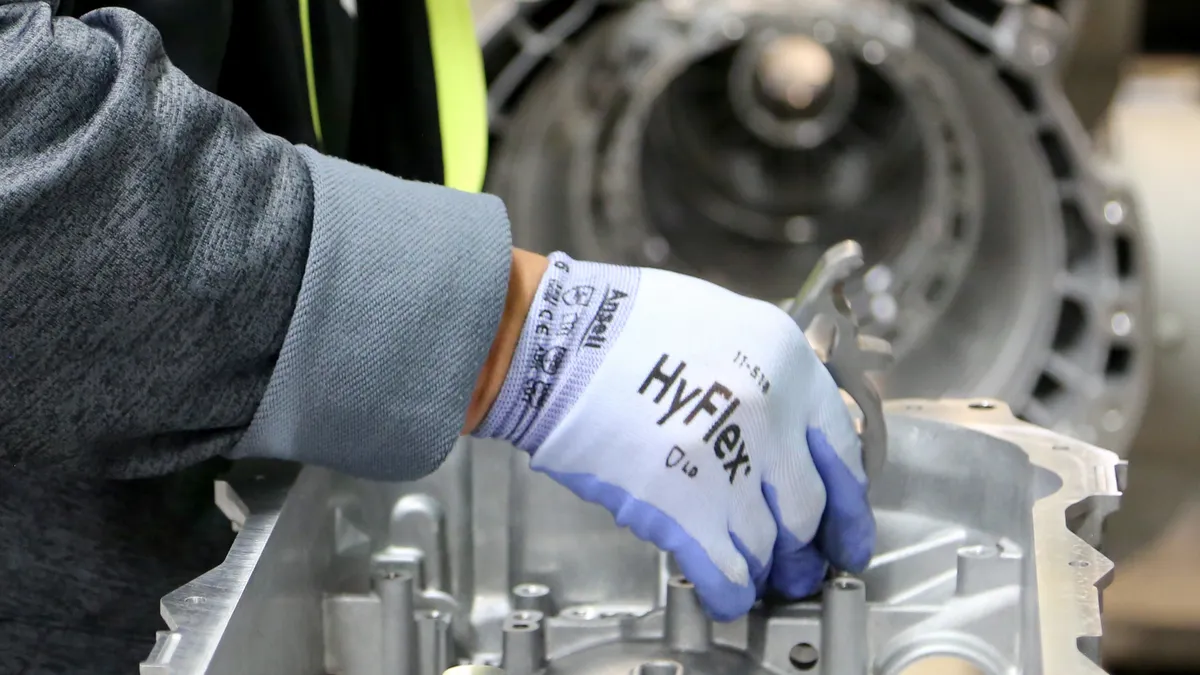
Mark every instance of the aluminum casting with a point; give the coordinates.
(987, 535)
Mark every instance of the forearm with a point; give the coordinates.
(152, 243)
(525, 275)
(178, 284)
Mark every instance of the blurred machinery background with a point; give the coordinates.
(736, 141)
(1017, 171)
(1153, 133)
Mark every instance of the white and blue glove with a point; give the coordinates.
(700, 418)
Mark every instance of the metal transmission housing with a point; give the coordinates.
(988, 529)
(1102, 36)
(674, 133)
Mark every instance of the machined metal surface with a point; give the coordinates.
(737, 139)
(988, 529)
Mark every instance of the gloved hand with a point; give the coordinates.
(700, 418)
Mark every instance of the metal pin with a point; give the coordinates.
(533, 597)
(399, 630)
(844, 627)
(524, 643)
(688, 628)
(981, 568)
(433, 634)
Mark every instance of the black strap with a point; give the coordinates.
(395, 125)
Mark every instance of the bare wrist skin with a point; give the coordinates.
(525, 275)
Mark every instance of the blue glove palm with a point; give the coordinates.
(700, 418)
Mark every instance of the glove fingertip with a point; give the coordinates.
(722, 599)
(759, 570)
(798, 573)
(850, 548)
(724, 607)
(833, 469)
(847, 533)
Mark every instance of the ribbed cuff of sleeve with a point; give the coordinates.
(401, 299)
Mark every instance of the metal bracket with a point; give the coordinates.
(823, 312)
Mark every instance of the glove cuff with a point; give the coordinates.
(576, 316)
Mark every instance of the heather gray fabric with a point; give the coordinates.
(391, 328)
(153, 244)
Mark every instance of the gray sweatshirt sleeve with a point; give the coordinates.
(170, 274)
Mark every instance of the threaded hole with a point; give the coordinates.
(804, 656)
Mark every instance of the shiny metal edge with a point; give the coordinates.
(1071, 573)
(198, 612)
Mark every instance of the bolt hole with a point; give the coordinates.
(1079, 563)
(531, 590)
(681, 582)
(981, 405)
(804, 656)
(979, 551)
(847, 584)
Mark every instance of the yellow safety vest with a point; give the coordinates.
(461, 90)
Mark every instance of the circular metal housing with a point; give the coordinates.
(715, 139)
(986, 556)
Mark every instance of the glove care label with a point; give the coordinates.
(576, 315)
